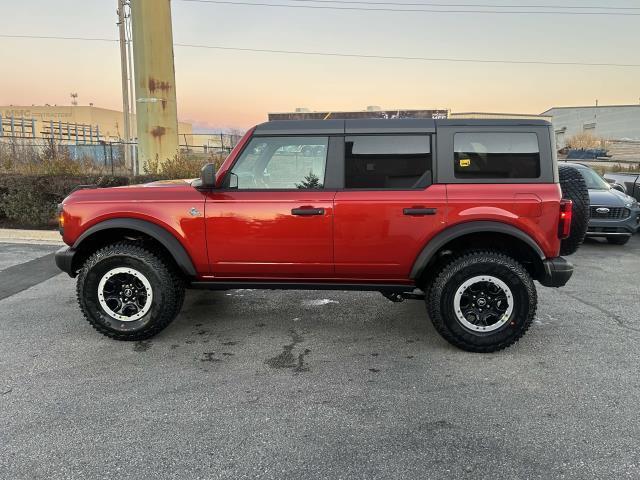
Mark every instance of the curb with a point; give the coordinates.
(36, 237)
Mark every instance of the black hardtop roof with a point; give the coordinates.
(375, 125)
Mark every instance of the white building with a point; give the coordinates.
(609, 122)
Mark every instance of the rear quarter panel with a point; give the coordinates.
(531, 207)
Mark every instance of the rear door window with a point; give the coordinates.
(390, 162)
(496, 155)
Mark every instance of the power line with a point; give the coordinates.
(462, 5)
(51, 37)
(410, 10)
(475, 5)
(351, 55)
(394, 57)
(451, 5)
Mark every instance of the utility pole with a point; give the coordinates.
(132, 98)
(126, 110)
(155, 78)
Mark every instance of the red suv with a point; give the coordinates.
(466, 214)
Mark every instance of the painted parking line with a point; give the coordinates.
(26, 275)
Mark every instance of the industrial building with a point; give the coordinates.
(377, 112)
(499, 116)
(608, 122)
(62, 122)
(369, 112)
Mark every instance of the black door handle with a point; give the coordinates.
(419, 211)
(307, 211)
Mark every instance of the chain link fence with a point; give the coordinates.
(44, 155)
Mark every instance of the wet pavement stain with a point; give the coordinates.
(286, 359)
(437, 425)
(142, 346)
(301, 367)
(209, 357)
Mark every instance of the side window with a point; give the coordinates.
(388, 161)
(281, 163)
(496, 155)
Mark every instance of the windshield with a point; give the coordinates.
(593, 180)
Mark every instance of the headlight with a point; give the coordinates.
(60, 215)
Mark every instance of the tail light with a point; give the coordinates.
(566, 213)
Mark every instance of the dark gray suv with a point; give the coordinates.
(614, 214)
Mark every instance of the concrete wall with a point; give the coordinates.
(608, 122)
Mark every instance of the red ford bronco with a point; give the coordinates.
(463, 213)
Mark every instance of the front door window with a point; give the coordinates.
(281, 163)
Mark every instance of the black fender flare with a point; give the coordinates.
(456, 231)
(166, 239)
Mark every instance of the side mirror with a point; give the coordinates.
(620, 188)
(208, 176)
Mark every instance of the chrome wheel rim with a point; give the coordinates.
(483, 303)
(125, 294)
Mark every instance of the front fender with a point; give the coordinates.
(164, 237)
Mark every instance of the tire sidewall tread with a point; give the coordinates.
(168, 289)
(575, 189)
(440, 293)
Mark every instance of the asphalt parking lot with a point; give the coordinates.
(259, 384)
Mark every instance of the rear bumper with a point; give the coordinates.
(64, 260)
(557, 272)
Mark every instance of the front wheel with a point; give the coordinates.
(482, 301)
(127, 292)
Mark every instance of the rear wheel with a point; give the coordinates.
(482, 301)
(621, 240)
(127, 292)
(574, 188)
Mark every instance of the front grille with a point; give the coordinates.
(612, 213)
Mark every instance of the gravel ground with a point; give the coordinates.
(259, 384)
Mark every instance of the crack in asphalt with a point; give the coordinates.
(615, 317)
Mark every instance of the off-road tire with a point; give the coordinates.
(621, 240)
(166, 284)
(441, 292)
(574, 188)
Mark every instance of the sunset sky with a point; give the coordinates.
(236, 89)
